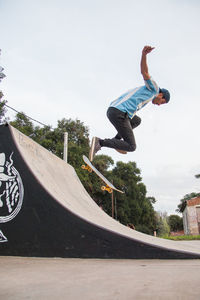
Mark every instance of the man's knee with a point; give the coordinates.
(135, 122)
(132, 148)
(139, 120)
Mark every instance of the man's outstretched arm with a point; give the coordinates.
(143, 64)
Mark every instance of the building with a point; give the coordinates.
(191, 217)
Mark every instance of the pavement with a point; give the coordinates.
(94, 279)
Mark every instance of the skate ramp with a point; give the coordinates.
(45, 211)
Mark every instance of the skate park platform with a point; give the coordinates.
(99, 279)
(46, 212)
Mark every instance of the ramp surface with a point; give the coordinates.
(45, 211)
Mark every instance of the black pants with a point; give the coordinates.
(124, 140)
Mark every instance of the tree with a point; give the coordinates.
(53, 139)
(133, 207)
(175, 223)
(162, 226)
(23, 124)
(3, 118)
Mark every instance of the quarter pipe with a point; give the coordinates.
(46, 212)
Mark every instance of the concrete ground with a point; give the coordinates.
(94, 279)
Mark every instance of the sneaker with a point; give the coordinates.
(121, 151)
(95, 147)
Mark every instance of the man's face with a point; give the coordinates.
(159, 99)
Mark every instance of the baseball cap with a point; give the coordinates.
(166, 94)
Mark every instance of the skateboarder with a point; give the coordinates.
(122, 111)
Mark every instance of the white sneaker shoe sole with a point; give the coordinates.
(91, 155)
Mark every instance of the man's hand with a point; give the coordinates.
(143, 64)
(147, 49)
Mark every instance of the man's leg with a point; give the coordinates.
(123, 126)
(134, 123)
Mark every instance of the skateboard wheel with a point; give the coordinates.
(86, 168)
(103, 188)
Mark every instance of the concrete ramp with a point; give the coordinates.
(45, 211)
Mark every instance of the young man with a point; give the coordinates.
(122, 111)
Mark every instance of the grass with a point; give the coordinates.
(182, 237)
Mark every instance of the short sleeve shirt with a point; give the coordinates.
(135, 99)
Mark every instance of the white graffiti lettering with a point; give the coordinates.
(11, 191)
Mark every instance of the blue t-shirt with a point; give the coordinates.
(135, 99)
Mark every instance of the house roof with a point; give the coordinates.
(193, 201)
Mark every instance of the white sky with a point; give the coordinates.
(70, 59)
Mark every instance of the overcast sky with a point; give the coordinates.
(70, 59)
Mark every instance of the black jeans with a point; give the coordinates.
(124, 140)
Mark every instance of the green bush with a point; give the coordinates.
(182, 237)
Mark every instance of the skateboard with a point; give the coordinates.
(109, 187)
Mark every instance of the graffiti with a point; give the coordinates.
(2, 237)
(11, 191)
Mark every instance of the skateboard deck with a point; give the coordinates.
(109, 186)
